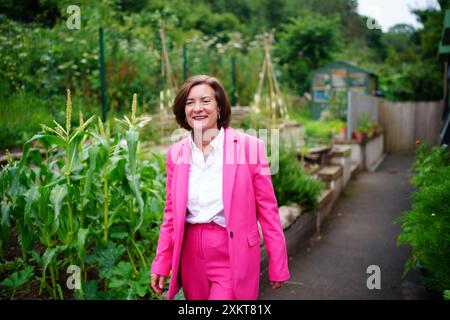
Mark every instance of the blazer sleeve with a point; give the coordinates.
(269, 217)
(163, 260)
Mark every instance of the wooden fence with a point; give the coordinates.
(404, 122)
(407, 122)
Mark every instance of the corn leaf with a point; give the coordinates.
(48, 257)
(81, 241)
(132, 138)
(18, 279)
(32, 196)
(57, 196)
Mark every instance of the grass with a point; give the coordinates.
(22, 113)
(316, 131)
(20, 116)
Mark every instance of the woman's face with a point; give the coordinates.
(201, 108)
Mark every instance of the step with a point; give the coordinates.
(354, 168)
(329, 173)
(319, 149)
(325, 197)
(342, 151)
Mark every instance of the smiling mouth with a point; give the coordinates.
(199, 117)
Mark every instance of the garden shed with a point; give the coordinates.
(332, 82)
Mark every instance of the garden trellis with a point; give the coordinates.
(167, 94)
(274, 104)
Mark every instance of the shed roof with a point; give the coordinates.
(444, 49)
(346, 65)
(444, 44)
(446, 29)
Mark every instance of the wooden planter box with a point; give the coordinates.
(366, 153)
(374, 152)
(341, 156)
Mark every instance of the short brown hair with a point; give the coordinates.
(222, 100)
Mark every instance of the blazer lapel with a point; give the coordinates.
(182, 181)
(230, 157)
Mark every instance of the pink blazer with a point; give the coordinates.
(248, 197)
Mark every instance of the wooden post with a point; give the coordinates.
(185, 62)
(233, 81)
(102, 75)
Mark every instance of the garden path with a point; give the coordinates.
(360, 232)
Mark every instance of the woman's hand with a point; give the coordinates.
(276, 285)
(157, 283)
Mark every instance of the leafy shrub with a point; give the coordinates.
(426, 227)
(291, 184)
(428, 162)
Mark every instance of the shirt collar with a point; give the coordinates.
(216, 143)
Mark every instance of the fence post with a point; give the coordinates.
(233, 81)
(185, 62)
(349, 111)
(102, 75)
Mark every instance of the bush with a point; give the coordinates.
(426, 227)
(428, 162)
(291, 184)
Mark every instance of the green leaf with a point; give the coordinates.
(447, 295)
(106, 258)
(36, 257)
(15, 188)
(93, 153)
(81, 129)
(132, 138)
(122, 278)
(134, 181)
(18, 279)
(81, 241)
(73, 154)
(115, 214)
(57, 196)
(5, 222)
(90, 291)
(31, 197)
(49, 255)
(119, 235)
(53, 139)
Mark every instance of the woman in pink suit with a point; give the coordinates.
(218, 187)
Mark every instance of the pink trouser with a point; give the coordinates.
(205, 267)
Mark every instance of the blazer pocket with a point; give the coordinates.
(253, 238)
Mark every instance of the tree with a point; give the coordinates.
(306, 43)
(43, 12)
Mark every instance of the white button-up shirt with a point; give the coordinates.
(205, 203)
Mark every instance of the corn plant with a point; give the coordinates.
(88, 199)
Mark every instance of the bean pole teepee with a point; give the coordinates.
(167, 94)
(274, 105)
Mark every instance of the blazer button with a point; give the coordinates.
(231, 234)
